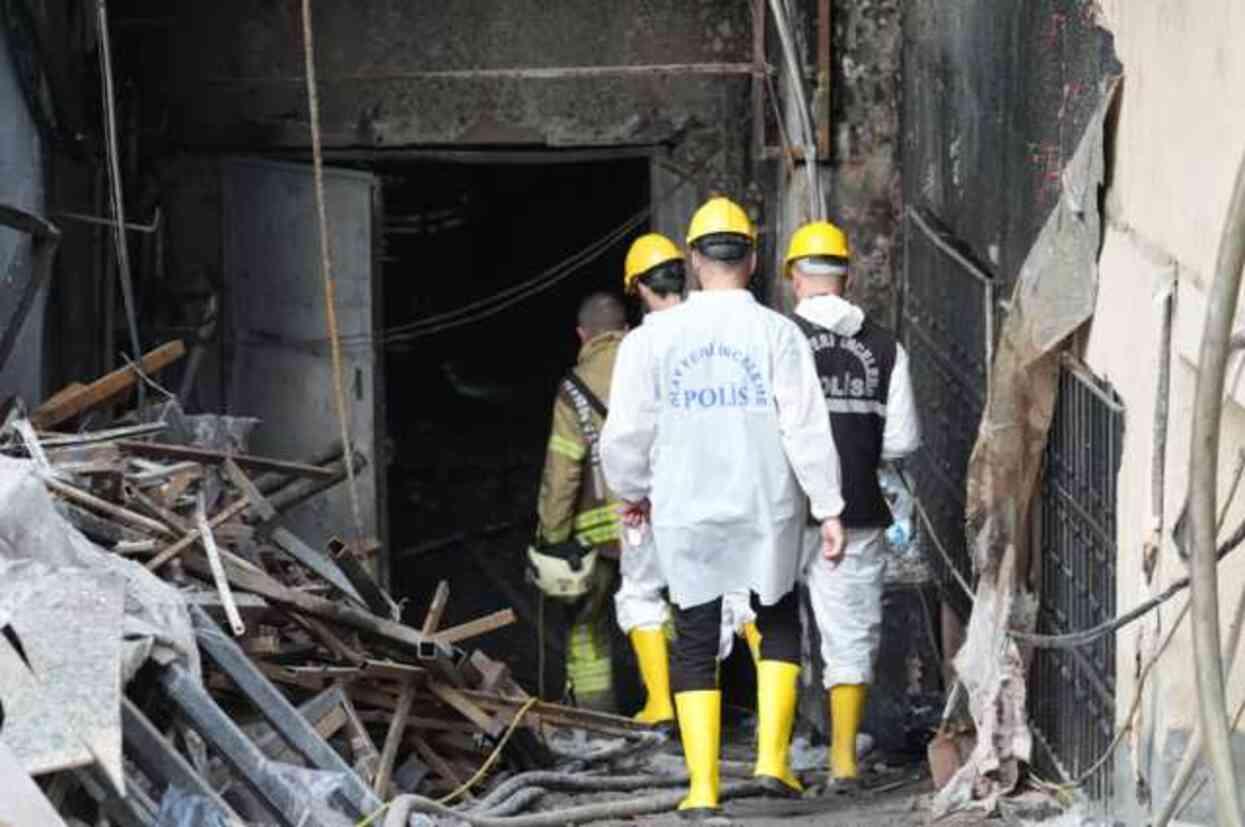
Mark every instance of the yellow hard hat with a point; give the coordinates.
(720, 215)
(819, 238)
(647, 252)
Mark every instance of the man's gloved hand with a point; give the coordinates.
(634, 514)
(832, 540)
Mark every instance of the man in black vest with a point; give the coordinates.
(864, 375)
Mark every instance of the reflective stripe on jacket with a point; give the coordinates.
(573, 496)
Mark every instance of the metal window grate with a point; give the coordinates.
(947, 328)
(1072, 691)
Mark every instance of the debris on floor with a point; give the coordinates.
(173, 656)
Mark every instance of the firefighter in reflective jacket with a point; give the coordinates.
(577, 511)
(864, 375)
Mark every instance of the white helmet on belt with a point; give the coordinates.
(563, 570)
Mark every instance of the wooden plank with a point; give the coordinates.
(55, 440)
(210, 457)
(432, 620)
(65, 406)
(244, 485)
(329, 639)
(556, 714)
(160, 473)
(101, 506)
(390, 670)
(366, 756)
(172, 490)
(271, 482)
(419, 723)
(442, 767)
(467, 708)
(159, 510)
(477, 627)
(230, 511)
(393, 739)
(334, 611)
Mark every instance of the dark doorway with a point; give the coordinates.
(468, 404)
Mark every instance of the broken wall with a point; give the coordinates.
(1175, 152)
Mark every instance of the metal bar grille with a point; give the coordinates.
(1072, 692)
(947, 328)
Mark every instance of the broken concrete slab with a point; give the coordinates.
(70, 626)
(38, 735)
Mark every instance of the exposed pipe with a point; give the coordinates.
(1203, 477)
(808, 138)
(114, 182)
(824, 88)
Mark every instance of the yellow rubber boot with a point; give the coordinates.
(847, 709)
(652, 655)
(753, 635)
(700, 727)
(777, 686)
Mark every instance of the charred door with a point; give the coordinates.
(280, 363)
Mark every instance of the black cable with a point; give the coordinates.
(1071, 640)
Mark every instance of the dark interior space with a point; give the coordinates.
(468, 406)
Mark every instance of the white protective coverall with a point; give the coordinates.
(714, 417)
(847, 598)
(639, 603)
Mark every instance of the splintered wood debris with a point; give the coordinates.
(315, 703)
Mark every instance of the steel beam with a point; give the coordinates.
(278, 711)
(285, 801)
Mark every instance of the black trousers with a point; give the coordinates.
(694, 661)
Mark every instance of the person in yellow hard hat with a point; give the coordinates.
(728, 390)
(654, 271)
(864, 375)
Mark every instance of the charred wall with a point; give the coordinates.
(996, 96)
(865, 197)
(462, 72)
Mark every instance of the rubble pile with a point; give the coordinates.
(173, 655)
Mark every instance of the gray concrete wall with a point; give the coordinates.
(21, 185)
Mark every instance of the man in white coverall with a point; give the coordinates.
(654, 270)
(864, 375)
(717, 422)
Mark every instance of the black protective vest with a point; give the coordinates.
(855, 373)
